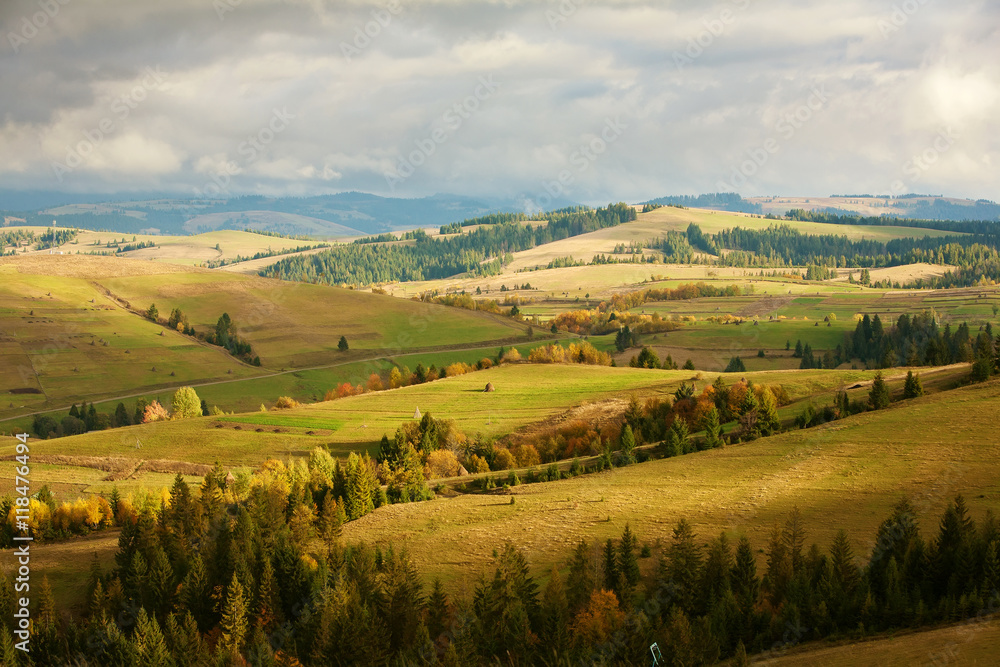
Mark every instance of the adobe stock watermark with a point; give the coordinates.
(563, 11)
(714, 29)
(918, 165)
(785, 129)
(31, 26)
(121, 108)
(365, 34)
(250, 150)
(453, 119)
(223, 7)
(582, 159)
(900, 16)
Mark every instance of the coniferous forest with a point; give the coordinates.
(256, 572)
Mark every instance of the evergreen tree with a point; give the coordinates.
(878, 397)
(342, 344)
(744, 580)
(682, 569)
(735, 365)
(713, 429)
(580, 582)
(767, 420)
(628, 445)
(613, 579)
(438, 610)
(151, 647)
(122, 417)
(678, 439)
(234, 620)
(913, 387)
(628, 563)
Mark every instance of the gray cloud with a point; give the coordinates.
(697, 89)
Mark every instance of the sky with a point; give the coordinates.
(587, 100)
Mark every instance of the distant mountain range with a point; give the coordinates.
(356, 213)
(344, 214)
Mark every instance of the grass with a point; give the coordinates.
(973, 642)
(277, 419)
(193, 250)
(52, 308)
(846, 474)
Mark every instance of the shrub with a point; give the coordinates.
(503, 460)
(441, 463)
(155, 413)
(285, 403)
(478, 464)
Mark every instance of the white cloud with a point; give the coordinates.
(354, 119)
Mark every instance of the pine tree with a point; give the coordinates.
(612, 574)
(234, 620)
(555, 614)
(845, 571)
(878, 397)
(713, 429)
(268, 606)
(580, 582)
(767, 419)
(794, 538)
(913, 387)
(628, 445)
(718, 569)
(438, 610)
(779, 567)
(682, 568)
(184, 640)
(151, 647)
(744, 580)
(330, 523)
(678, 439)
(628, 564)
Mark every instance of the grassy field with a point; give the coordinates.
(526, 395)
(53, 307)
(846, 474)
(193, 250)
(973, 642)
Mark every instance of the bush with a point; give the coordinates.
(478, 464)
(155, 413)
(285, 403)
(503, 460)
(440, 464)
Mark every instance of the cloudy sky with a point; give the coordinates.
(593, 100)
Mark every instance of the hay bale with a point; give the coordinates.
(489, 387)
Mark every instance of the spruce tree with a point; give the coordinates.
(713, 429)
(628, 445)
(684, 566)
(612, 574)
(878, 397)
(580, 582)
(628, 562)
(438, 610)
(913, 388)
(744, 580)
(151, 647)
(234, 624)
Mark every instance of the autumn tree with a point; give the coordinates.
(186, 403)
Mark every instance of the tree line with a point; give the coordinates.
(484, 251)
(257, 572)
